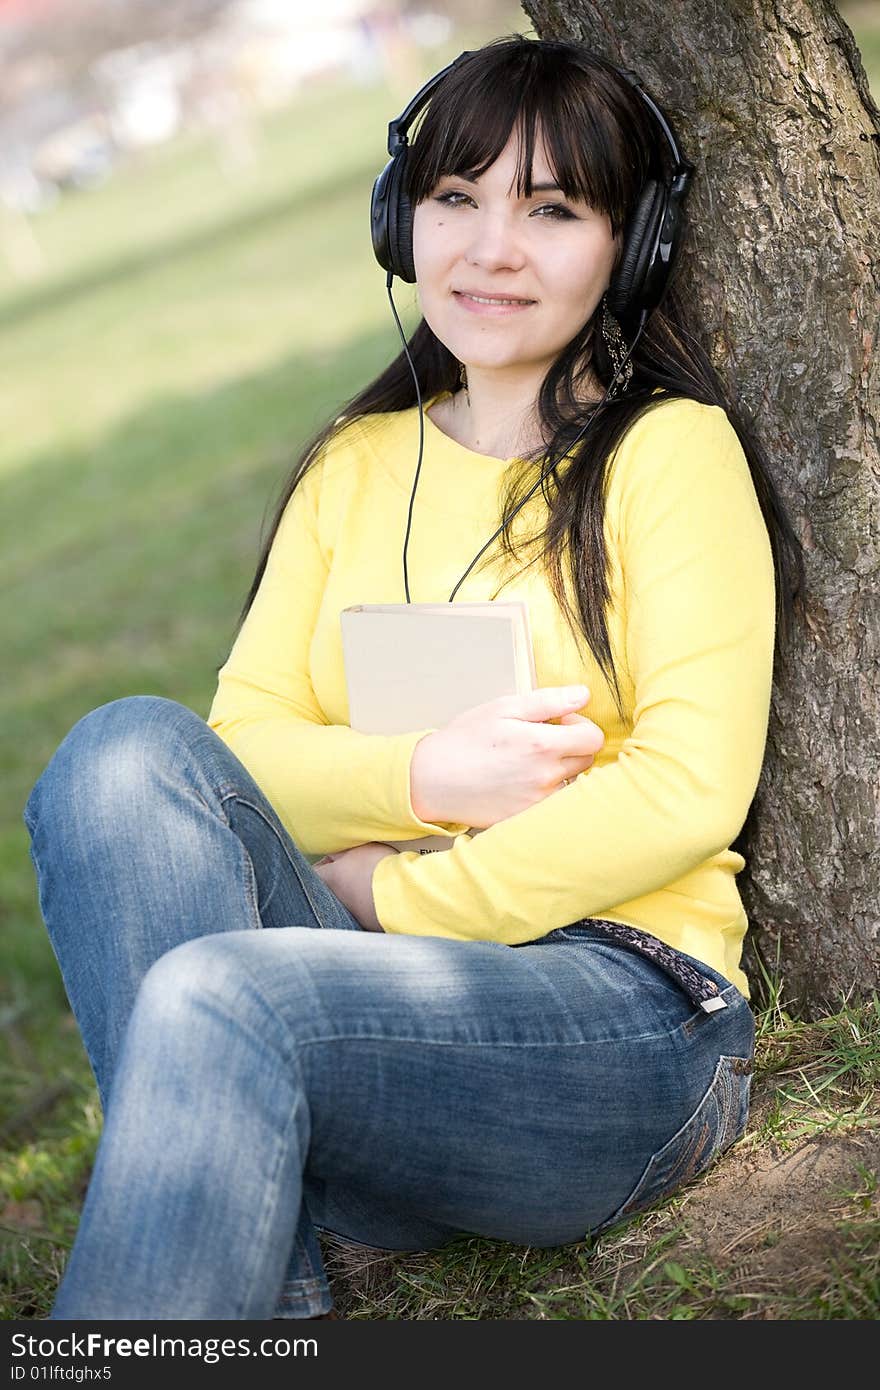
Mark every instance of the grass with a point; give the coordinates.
(192, 323)
(825, 1074)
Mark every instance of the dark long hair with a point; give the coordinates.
(602, 143)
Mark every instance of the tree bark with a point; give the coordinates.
(771, 102)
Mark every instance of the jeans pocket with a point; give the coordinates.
(718, 1121)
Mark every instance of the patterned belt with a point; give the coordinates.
(699, 988)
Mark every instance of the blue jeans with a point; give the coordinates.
(268, 1069)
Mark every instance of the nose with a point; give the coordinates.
(494, 243)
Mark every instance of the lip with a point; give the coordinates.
(492, 310)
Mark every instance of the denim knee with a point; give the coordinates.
(100, 763)
(195, 997)
(190, 975)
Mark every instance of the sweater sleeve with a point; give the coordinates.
(699, 634)
(331, 786)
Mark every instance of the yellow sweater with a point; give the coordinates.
(643, 836)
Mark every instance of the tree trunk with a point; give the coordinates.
(771, 102)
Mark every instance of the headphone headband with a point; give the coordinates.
(679, 164)
(652, 235)
(399, 128)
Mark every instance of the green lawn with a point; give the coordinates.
(191, 326)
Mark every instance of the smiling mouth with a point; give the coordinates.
(502, 301)
(492, 306)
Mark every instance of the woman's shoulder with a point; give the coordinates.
(671, 433)
(682, 459)
(668, 416)
(348, 431)
(355, 441)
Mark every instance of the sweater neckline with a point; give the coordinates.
(452, 444)
(433, 428)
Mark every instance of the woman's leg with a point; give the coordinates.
(146, 831)
(521, 1094)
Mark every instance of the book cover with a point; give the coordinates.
(417, 665)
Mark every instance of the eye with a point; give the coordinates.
(557, 212)
(447, 198)
(561, 214)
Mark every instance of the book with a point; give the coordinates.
(417, 665)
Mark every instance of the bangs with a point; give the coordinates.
(592, 128)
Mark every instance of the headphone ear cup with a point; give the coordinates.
(391, 220)
(379, 217)
(627, 290)
(400, 227)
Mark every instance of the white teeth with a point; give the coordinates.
(479, 300)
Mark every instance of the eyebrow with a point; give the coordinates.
(536, 187)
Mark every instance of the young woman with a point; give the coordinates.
(546, 1028)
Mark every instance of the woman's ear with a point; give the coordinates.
(618, 253)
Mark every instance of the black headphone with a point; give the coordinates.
(651, 239)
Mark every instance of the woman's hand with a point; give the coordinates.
(497, 759)
(350, 876)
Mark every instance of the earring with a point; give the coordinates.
(462, 376)
(615, 346)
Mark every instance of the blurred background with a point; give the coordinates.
(187, 291)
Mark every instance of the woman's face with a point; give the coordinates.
(482, 239)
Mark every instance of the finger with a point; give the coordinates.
(577, 739)
(572, 768)
(571, 775)
(549, 702)
(594, 735)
